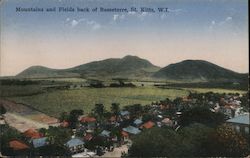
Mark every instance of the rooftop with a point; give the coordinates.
(148, 125)
(88, 119)
(74, 142)
(32, 133)
(18, 145)
(131, 130)
(242, 119)
(39, 142)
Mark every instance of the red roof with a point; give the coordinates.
(88, 119)
(18, 145)
(124, 134)
(88, 137)
(148, 125)
(65, 124)
(113, 118)
(32, 133)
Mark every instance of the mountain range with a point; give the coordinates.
(136, 68)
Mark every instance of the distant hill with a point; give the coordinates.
(198, 70)
(44, 72)
(127, 67)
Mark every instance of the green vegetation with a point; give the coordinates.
(199, 70)
(129, 66)
(18, 90)
(57, 101)
(195, 140)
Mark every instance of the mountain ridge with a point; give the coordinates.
(135, 67)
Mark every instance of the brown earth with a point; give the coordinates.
(27, 113)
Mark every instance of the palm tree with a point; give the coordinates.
(115, 109)
(99, 110)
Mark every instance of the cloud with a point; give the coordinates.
(90, 23)
(93, 24)
(172, 11)
(228, 19)
(131, 13)
(143, 15)
(177, 11)
(117, 17)
(214, 24)
(74, 23)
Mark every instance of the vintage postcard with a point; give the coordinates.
(115, 78)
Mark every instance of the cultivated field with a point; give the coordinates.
(57, 101)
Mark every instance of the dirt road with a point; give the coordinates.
(22, 117)
(21, 123)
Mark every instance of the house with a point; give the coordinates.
(125, 135)
(75, 145)
(105, 133)
(18, 145)
(125, 114)
(88, 137)
(240, 123)
(132, 130)
(90, 121)
(228, 110)
(137, 122)
(32, 134)
(39, 142)
(114, 119)
(167, 122)
(148, 125)
(64, 124)
(2, 121)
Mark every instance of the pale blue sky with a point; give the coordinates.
(213, 30)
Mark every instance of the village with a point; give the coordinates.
(110, 132)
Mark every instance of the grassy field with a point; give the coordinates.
(55, 102)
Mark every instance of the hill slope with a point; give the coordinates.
(44, 72)
(127, 67)
(197, 70)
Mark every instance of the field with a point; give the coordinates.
(59, 101)
(55, 101)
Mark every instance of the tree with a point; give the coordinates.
(99, 111)
(193, 138)
(115, 109)
(201, 115)
(64, 116)
(2, 110)
(135, 110)
(58, 136)
(155, 142)
(224, 141)
(73, 117)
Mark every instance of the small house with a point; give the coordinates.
(132, 130)
(125, 114)
(89, 121)
(75, 145)
(240, 123)
(125, 136)
(32, 134)
(39, 142)
(137, 122)
(167, 122)
(88, 137)
(18, 145)
(148, 125)
(105, 133)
